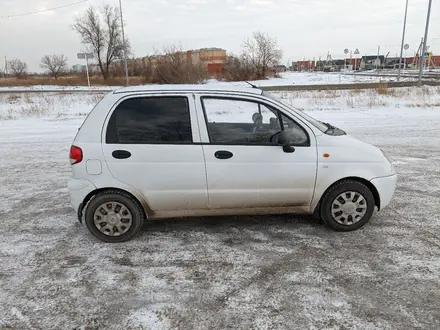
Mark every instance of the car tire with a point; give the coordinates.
(128, 219)
(347, 206)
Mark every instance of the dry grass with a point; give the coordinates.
(58, 105)
(423, 105)
(385, 91)
(356, 91)
(411, 97)
(426, 91)
(34, 110)
(10, 114)
(350, 101)
(13, 98)
(68, 81)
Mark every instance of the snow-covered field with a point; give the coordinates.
(272, 272)
(313, 78)
(285, 79)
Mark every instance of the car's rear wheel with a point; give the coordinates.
(347, 206)
(113, 216)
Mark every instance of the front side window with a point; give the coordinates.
(150, 120)
(234, 121)
(319, 125)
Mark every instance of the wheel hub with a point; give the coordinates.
(112, 219)
(349, 208)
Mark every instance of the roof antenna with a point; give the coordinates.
(252, 85)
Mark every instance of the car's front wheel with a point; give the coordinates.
(347, 206)
(113, 216)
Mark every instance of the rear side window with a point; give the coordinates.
(145, 120)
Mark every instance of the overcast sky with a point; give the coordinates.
(303, 28)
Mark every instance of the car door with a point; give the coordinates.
(152, 143)
(245, 167)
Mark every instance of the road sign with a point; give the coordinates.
(87, 57)
(83, 56)
(427, 55)
(346, 51)
(357, 52)
(406, 47)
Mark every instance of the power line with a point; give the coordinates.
(45, 10)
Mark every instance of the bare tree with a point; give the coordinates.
(238, 68)
(262, 52)
(174, 66)
(147, 68)
(101, 32)
(55, 65)
(18, 68)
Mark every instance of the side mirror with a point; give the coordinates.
(288, 148)
(284, 140)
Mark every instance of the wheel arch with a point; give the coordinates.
(147, 212)
(367, 183)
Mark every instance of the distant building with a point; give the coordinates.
(414, 62)
(78, 68)
(213, 58)
(354, 63)
(305, 65)
(280, 68)
(294, 66)
(338, 65)
(371, 62)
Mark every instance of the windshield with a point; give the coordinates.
(318, 124)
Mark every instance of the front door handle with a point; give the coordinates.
(223, 154)
(121, 154)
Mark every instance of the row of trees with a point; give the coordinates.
(100, 32)
(54, 65)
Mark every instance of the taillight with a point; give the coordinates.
(76, 155)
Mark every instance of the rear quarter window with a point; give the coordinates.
(88, 115)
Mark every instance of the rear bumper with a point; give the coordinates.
(78, 190)
(386, 186)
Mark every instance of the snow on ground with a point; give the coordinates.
(424, 97)
(285, 79)
(71, 105)
(47, 105)
(269, 272)
(311, 78)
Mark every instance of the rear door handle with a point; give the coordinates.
(223, 154)
(121, 154)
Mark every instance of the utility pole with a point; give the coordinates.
(403, 41)
(351, 61)
(5, 69)
(125, 45)
(378, 59)
(425, 39)
(87, 69)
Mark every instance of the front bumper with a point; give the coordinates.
(386, 186)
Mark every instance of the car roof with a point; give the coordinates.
(188, 88)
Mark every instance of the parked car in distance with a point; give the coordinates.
(154, 152)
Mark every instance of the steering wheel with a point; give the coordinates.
(272, 136)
